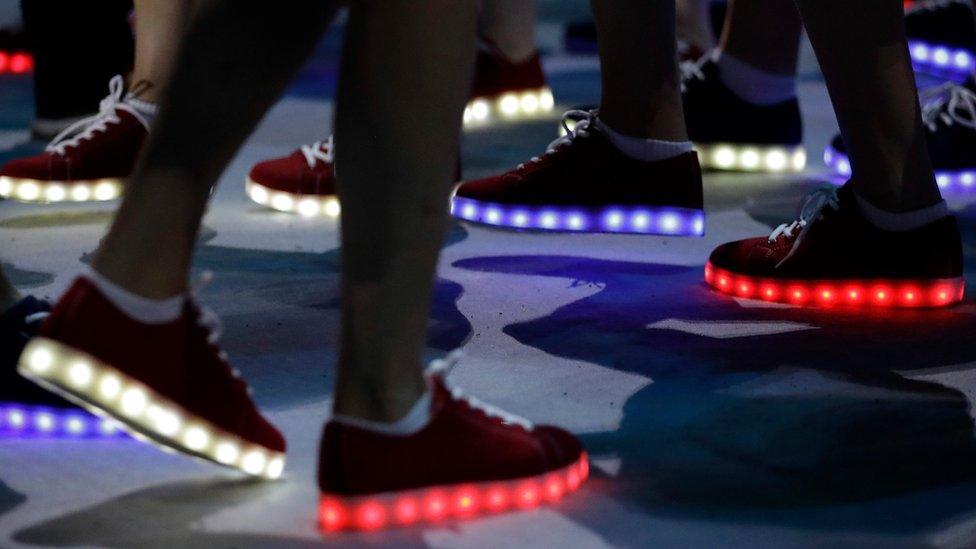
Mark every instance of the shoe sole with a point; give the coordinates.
(941, 59)
(148, 416)
(29, 420)
(646, 220)
(839, 293)
(304, 205)
(948, 180)
(510, 106)
(753, 158)
(456, 501)
(37, 191)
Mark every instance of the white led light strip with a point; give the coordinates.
(752, 158)
(145, 414)
(306, 206)
(515, 105)
(44, 192)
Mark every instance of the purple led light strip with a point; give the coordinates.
(20, 420)
(942, 58)
(948, 180)
(659, 220)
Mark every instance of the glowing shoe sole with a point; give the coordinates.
(29, 421)
(458, 502)
(511, 106)
(138, 409)
(742, 157)
(839, 293)
(304, 205)
(948, 180)
(941, 59)
(647, 220)
(46, 192)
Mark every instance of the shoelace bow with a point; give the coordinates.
(320, 150)
(441, 368)
(584, 119)
(85, 128)
(692, 70)
(811, 211)
(211, 324)
(949, 103)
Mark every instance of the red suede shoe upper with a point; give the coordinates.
(590, 171)
(174, 359)
(460, 444)
(108, 153)
(294, 175)
(843, 245)
(495, 75)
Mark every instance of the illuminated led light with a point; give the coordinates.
(74, 425)
(530, 103)
(724, 157)
(28, 191)
(466, 501)
(134, 401)
(669, 221)
(467, 115)
(546, 100)
(253, 462)
(776, 161)
(749, 159)
(109, 386)
(480, 110)
(332, 208)
(940, 58)
(371, 516)
(6, 186)
(44, 422)
(106, 191)
(55, 193)
(407, 511)
(196, 438)
(528, 495)
(16, 418)
(920, 293)
(308, 207)
(275, 467)
(509, 104)
(227, 452)
(258, 194)
(80, 193)
(80, 374)
(496, 499)
(108, 427)
(41, 360)
(282, 202)
(752, 157)
(435, 506)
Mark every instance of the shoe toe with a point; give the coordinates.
(562, 447)
(31, 167)
(267, 435)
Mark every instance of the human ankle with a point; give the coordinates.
(143, 309)
(645, 150)
(381, 401)
(754, 84)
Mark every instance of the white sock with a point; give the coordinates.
(639, 148)
(145, 310)
(147, 109)
(416, 419)
(753, 85)
(905, 221)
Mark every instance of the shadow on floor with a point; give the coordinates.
(757, 413)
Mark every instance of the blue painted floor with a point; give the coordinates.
(712, 421)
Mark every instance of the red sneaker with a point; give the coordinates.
(302, 182)
(86, 162)
(167, 384)
(504, 90)
(832, 256)
(470, 459)
(584, 184)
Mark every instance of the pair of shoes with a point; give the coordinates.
(170, 385)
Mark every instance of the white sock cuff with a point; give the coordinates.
(639, 148)
(905, 221)
(147, 109)
(145, 310)
(416, 419)
(751, 84)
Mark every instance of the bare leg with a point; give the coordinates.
(694, 23)
(764, 33)
(396, 159)
(641, 86)
(159, 28)
(872, 87)
(226, 79)
(510, 25)
(9, 295)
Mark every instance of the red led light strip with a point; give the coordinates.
(16, 62)
(839, 293)
(430, 505)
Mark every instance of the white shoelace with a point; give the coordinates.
(810, 212)
(107, 114)
(441, 368)
(692, 70)
(583, 120)
(320, 150)
(950, 103)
